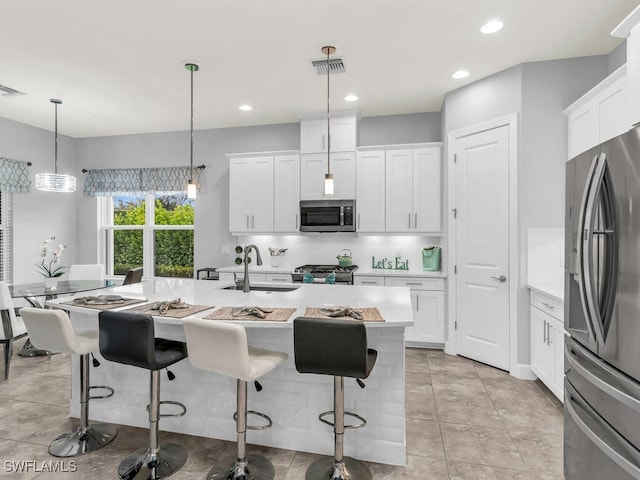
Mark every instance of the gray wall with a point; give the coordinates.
(537, 93)
(394, 129)
(618, 57)
(210, 147)
(40, 214)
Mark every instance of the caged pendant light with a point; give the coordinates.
(328, 177)
(55, 182)
(191, 186)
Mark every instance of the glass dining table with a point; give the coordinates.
(33, 292)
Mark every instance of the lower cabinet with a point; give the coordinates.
(427, 301)
(547, 346)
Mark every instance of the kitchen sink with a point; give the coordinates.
(264, 288)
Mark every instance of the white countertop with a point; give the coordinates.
(398, 273)
(265, 268)
(394, 303)
(555, 291)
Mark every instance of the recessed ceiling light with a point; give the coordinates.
(492, 26)
(351, 97)
(245, 108)
(460, 74)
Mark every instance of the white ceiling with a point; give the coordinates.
(118, 65)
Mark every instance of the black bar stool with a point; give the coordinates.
(222, 348)
(52, 330)
(338, 348)
(129, 338)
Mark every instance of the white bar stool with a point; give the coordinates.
(222, 348)
(52, 330)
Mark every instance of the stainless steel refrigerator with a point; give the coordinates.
(602, 312)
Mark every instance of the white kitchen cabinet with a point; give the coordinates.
(313, 133)
(286, 193)
(427, 300)
(368, 280)
(547, 342)
(629, 28)
(600, 114)
(264, 192)
(370, 191)
(313, 168)
(413, 190)
(251, 194)
(278, 278)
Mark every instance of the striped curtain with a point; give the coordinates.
(133, 181)
(14, 176)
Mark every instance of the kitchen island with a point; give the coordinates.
(292, 400)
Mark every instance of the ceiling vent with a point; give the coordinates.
(8, 91)
(336, 65)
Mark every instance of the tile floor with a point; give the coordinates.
(465, 421)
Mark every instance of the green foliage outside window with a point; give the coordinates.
(173, 248)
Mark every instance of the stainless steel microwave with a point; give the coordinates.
(327, 216)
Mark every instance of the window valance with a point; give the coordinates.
(133, 181)
(14, 176)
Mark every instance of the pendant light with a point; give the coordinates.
(328, 178)
(191, 186)
(54, 182)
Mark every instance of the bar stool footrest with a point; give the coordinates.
(362, 423)
(257, 414)
(104, 387)
(171, 402)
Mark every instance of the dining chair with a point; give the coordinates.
(12, 326)
(89, 271)
(133, 276)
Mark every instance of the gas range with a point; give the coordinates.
(344, 275)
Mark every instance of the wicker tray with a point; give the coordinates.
(172, 313)
(368, 314)
(107, 305)
(278, 315)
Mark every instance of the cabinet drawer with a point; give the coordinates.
(548, 305)
(279, 277)
(416, 283)
(368, 280)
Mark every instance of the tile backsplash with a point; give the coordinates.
(325, 247)
(545, 256)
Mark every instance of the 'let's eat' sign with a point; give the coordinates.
(397, 263)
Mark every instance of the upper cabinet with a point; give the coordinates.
(629, 28)
(413, 193)
(600, 114)
(313, 168)
(344, 132)
(370, 188)
(264, 192)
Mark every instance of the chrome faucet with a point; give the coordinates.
(245, 285)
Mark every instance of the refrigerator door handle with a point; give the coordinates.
(592, 369)
(586, 195)
(612, 444)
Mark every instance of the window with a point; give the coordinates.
(159, 239)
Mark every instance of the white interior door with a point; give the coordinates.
(482, 239)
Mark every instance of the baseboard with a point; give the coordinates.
(523, 371)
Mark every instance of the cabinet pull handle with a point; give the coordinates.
(548, 306)
(415, 220)
(253, 222)
(544, 332)
(413, 283)
(358, 221)
(324, 142)
(409, 219)
(296, 221)
(417, 303)
(247, 222)
(549, 333)
(368, 282)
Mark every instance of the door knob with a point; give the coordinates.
(501, 278)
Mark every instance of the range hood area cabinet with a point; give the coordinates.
(313, 168)
(370, 191)
(264, 192)
(344, 132)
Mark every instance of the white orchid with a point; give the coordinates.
(46, 269)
